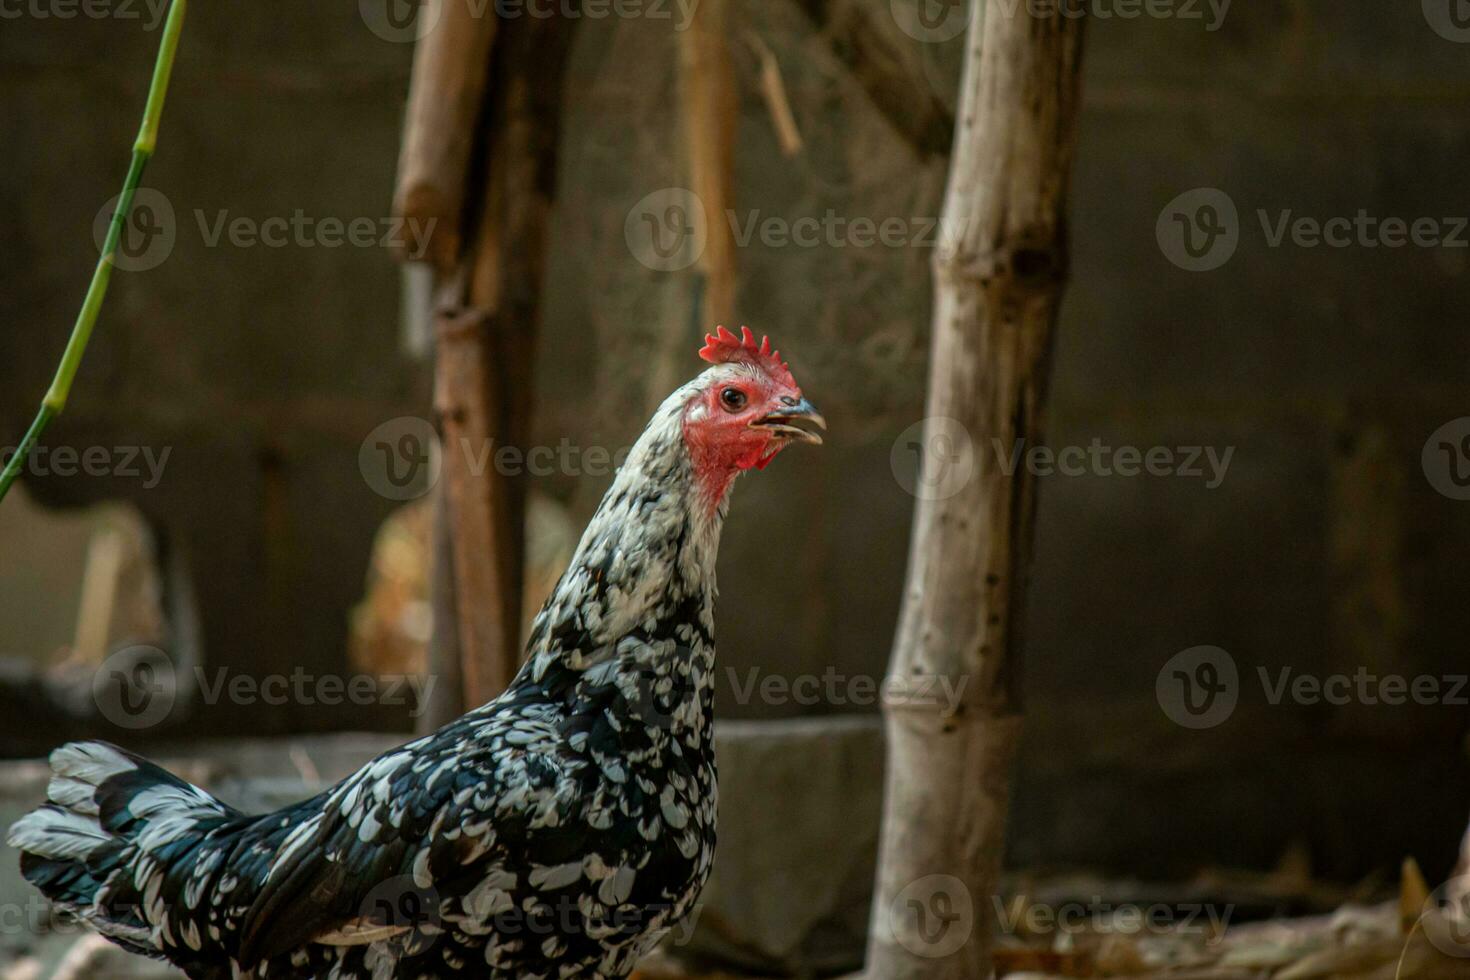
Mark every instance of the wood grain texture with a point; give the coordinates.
(451, 67)
(998, 278)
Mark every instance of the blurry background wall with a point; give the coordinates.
(1325, 548)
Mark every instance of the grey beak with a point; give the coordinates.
(803, 411)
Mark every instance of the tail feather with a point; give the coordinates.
(102, 843)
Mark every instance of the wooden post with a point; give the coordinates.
(998, 278)
(451, 65)
(480, 158)
(711, 108)
(467, 399)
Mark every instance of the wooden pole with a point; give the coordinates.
(478, 171)
(489, 310)
(711, 109)
(467, 399)
(998, 279)
(451, 65)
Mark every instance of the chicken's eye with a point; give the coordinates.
(733, 399)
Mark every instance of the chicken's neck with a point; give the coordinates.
(639, 593)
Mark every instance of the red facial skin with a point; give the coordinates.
(722, 440)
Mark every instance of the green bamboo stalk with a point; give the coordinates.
(55, 401)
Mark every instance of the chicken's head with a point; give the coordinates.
(746, 409)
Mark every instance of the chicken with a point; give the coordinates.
(560, 830)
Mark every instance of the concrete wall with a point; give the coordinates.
(1325, 548)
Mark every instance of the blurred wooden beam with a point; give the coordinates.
(488, 313)
(711, 106)
(451, 65)
(467, 398)
(445, 701)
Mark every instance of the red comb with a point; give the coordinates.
(723, 347)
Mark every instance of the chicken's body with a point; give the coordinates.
(560, 830)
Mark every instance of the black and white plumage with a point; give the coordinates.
(560, 830)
